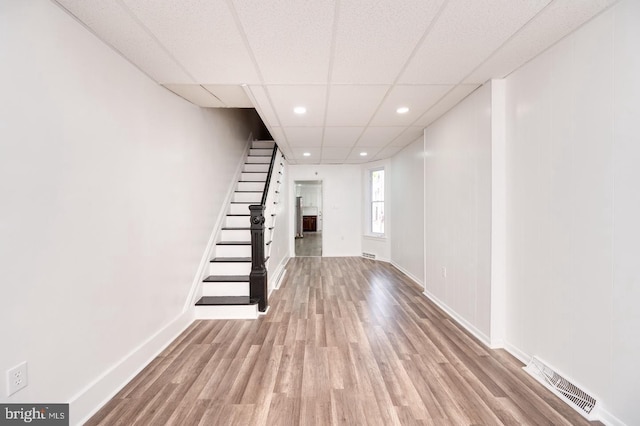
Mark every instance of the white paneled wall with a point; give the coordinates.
(406, 205)
(458, 211)
(625, 294)
(573, 150)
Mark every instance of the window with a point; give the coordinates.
(377, 201)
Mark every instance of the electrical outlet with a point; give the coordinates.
(16, 378)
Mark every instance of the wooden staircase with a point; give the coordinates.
(226, 290)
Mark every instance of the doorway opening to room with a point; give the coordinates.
(308, 218)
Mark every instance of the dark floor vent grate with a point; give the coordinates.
(573, 395)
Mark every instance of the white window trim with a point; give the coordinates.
(368, 233)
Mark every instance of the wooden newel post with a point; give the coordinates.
(258, 275)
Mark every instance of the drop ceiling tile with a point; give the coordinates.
(202, 35)
(355, 156)
(286, 98)
(115, 26)
(370, 150)
(331, 153)
(388, 152)
(353, 105)
(418, 98)
(375, 39)
(263, 105)
(304, 136)
(341, 136)
(291, 40)
(232, 96)
(466, 33)
(379, 136)
(445, 104)
(408, 136)
(553, 23)
(300, 158)
(195, 94)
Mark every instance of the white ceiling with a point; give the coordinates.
(351, 63)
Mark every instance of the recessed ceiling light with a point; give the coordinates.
(363, 154)
(307, 154)
(300, 110)
(402, 110)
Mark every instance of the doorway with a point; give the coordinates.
(308, 218)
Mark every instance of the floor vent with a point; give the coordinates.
(368, 255)
(577, 398)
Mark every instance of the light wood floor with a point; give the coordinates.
(310, 245)
(346, 341)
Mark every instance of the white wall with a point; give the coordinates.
(110, 186)
(406, 205)
(573, 150)
(458, 211)
(342, 206)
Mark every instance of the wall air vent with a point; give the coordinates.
(577, 398)
(368, 255)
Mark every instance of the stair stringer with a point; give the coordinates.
(195, 291)
(274, 271)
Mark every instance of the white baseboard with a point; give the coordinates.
(407, 273)
(88, 401)
(520, 355)
(497, 344)
(226, 312)
(278, 274)
(602, 415)
(463, 322)
(281, 272)
(609, 419)
(453, 314)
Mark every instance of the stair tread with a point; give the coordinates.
(236, 228)
(225, 300)
(227, 279)
(239, 215)
(233, 259)
(256, 192)
(233, 243)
